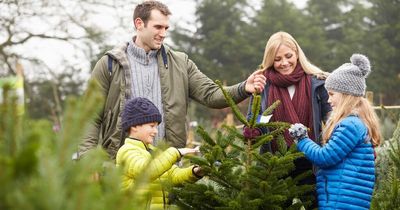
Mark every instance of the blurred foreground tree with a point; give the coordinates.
(37, 172)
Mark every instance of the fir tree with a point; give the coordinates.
(238, 176)
(388, 183)
(36, 168)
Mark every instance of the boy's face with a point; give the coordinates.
(145, 132)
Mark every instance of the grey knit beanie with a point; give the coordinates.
(349, 78)
(139, 111)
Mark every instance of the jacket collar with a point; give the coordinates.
(140, 55)
(119, 53)
(140, 143)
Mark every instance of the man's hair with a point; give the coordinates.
(143, 10)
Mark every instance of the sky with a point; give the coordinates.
(54, 53)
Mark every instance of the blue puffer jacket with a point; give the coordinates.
(346, 175)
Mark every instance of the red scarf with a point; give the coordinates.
(295, 110)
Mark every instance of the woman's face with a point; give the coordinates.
(285, 60)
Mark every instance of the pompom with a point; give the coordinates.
(362, 62)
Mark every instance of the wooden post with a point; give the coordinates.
(229, 119)
(370, 97)
(190, 138)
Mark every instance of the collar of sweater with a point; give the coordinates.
(140, 55)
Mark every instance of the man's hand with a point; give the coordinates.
(256, 82)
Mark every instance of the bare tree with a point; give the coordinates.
(77, 24)
(72, 22)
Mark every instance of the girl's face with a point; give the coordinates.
(285, 60)
(334, 98)
(145, 132)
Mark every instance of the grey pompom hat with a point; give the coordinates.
(349, 78)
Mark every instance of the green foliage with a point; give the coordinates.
(388, 182)
(37, 171)
(383, 47)
(327, 31)
(241, 178)
(232, 104)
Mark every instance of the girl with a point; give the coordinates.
(346, 175)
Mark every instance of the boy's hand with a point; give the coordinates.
(185, 151)
(197, 171)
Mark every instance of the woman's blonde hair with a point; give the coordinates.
(283, 38)
(354, 105)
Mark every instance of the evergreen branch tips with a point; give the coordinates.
(232, 104)
(271, 108)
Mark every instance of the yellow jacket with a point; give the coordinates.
(136, 159)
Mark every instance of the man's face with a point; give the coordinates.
(151, 36)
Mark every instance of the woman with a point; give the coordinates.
(346, 160)
(299, 85)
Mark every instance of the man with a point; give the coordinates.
(144, 67)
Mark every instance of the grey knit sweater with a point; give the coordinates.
(146, 79)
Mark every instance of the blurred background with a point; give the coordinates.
(52, 45)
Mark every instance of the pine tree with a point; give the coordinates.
(238, 176)
(388, 185)
(36, 169)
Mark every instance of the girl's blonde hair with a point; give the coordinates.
(354, 105)
(283, 38)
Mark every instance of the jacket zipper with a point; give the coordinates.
(326, 189)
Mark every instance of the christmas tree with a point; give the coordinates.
(36, 167)
(239, 177)
(387, 191)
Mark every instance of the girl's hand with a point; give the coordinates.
(298, 131)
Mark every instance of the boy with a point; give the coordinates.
(140, 119)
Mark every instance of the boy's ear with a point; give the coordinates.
(133, 129)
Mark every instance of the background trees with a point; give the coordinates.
(231, 36)
(71, 32)
(227, 43)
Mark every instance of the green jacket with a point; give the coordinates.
(180, 79)
(135, 158)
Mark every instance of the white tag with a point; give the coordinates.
(264, 119)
